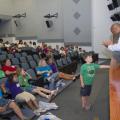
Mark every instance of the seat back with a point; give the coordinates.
(23, 60)
(69, 60)
(17, 55)
(25, 66)
(32, 64)
(15, 61)
(10, 56)
(29, 58)
(2, 58)
(64, 61)
(24, 54)
(59, 63)
(32, 73)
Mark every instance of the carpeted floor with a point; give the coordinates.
(70, 103)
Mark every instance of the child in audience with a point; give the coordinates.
(87, 74)
(6, 104)
(2, 81)
(24, 83)
(20, 95)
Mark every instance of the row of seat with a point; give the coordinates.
(63, 61)
(31, 61)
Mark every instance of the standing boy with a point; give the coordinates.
(87, 74)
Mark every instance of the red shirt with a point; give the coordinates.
(9, 68)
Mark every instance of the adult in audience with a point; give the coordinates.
(58, 74)
(1, 43)
(34, 45)
(22, 96)
(30, 44)
(6, 104)
(45, 49)
(24, 78)
(45, 70)
(25, 44)
(8, 68)
(21, 44)
(62, 51)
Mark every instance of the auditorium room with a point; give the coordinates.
(59, 59)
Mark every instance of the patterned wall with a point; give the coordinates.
(77, 21)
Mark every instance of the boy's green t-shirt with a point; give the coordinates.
(88, 72)
(23, 81)
(2, 74)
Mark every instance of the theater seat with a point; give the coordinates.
(10, 56)
(2, 58)
(32, 64)
(25, 66)
(64, 61)
(15, 61)
(59, 63)
(29, 58)
(23, 60)
(17, 55)
(69, 60)
(24, 54)
(32, 73)
(36, 58)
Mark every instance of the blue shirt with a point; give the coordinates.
(44, 68)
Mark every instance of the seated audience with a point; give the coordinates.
(25, 44)
(34, 45)
(20, 44)
(2, 82)
(60, 74)
(1, 43)
(24, 83)
(30, 44)
(6, 104)
(22, 96)
(62, 51)
(8, 68)
(45, 70)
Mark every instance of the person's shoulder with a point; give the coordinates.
(84, 65)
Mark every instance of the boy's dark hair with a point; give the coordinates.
(85, 55)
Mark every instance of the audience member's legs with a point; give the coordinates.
(16, 109)
(40, 93)
(28, 98)
(43, 92)
(66, 76)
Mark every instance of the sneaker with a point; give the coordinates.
(41, 110)
(36, 112)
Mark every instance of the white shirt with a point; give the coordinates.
(115, 47)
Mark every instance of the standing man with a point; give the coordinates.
(114, 44)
